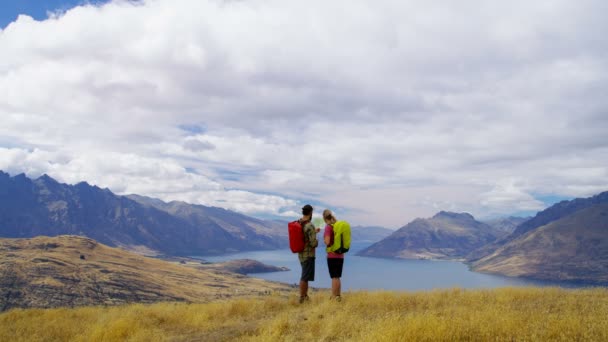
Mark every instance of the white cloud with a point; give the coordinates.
(388, 110)
(509, 196)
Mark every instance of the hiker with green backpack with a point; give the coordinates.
(337, 240)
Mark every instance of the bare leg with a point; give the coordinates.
(303, 288)
(335, 287)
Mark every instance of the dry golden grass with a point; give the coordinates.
(49, 272)
(510, 314)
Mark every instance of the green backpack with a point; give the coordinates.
(341, 243)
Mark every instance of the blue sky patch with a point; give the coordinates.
(37, 9)
(230, 175)
(194, 129)
(550, 200)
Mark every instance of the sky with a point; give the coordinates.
(382, 111)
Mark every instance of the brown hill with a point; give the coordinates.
(573, 248)
(542, 218)
(71, 271)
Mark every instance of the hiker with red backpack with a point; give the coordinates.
(303, 240)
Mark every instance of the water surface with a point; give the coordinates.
(364, 273)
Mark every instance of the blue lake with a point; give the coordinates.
(364, 273)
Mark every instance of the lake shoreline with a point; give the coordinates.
(533, 280)
(370, 273)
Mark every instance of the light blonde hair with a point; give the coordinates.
(329, 216)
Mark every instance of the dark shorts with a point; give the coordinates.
(308, 270)
(335, 267)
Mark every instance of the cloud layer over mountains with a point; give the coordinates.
(385, 110)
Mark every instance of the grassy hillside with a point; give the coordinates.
(525, 314)
(70, 271)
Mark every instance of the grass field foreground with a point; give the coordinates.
(509, 314)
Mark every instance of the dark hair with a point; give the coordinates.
(307, 210)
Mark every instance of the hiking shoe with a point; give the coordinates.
(304, 299)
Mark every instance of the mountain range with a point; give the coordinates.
(566, 242)
(552, 213)
(506, 224)
(43, 206)
(369, 233)
(261, 234)
(446, 235)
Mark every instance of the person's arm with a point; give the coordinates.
(327, 235)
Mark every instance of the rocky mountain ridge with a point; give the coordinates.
(506, 224)
(46, 207)
(553, 213)
(571, 248)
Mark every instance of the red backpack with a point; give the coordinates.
(296, 237)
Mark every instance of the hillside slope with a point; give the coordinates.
(444, 236)
(506, 224)
(553, 213)
(573, 248)
(74, 271)
(258, 233)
